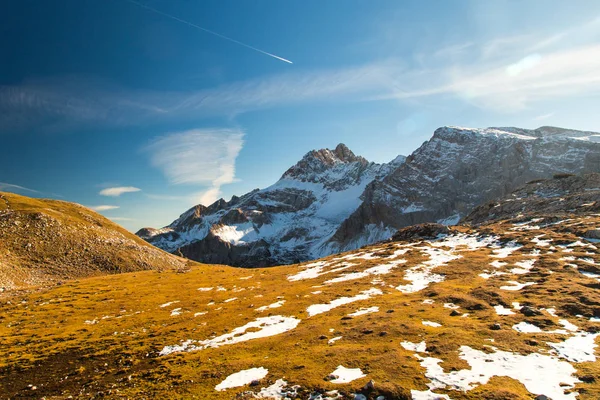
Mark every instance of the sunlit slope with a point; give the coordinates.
(509, 311)
(47, 241)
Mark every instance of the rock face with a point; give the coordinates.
(563, 194)
(332, 200)
(460, 168)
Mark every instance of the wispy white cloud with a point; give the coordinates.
(543, 117)
(9, 187)
(117, 191)
(104, 208)
(204, 157)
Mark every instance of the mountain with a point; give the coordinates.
(48, 241)
(285, 223)
(333, 200)
(507, 309)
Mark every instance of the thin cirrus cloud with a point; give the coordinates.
(9, 187)
(104, 208)
(117, 191)
(500, 73)
(199, 157)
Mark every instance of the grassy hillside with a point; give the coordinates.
(422, 319)
(48, 241)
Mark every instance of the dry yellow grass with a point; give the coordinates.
(47, 343)
(48, 241)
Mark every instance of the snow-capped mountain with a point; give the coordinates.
(285, 223)
(333, 200)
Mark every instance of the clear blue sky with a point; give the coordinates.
(101, 94)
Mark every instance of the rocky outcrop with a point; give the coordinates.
(563, 194)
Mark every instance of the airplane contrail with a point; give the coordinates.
(208, 31)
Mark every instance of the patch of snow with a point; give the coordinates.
(487, 274)
(230, 300)
(316, 309)
(506, 250)
(428, 301)
(525, 267)
(427, 395)
(242, 378)
(333, 340)
(432, 324)
(278, 391)
(416, 347)
(540, 374)
(376, 270)
(274, 305)
(175, 312)
(266, 327)
(526, 327)
(168, 304)
(199, 314)
(498, 264)
(364, 311)
(205, 289)
(578, 348)
(501, 310)
(516, 285)
(346, 375)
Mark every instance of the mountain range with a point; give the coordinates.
(333, 200)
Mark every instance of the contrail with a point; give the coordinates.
(208, 31)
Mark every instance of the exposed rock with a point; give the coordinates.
(421, 231)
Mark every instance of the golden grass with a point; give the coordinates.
(46, 342)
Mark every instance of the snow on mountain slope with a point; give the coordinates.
(333, 200)
(283, 223)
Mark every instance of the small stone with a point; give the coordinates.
(345, 318)
(367, 331)
(322, 337)
(331, 377)
(542, 397)
(495, 327)
(529, 311)
(454, 313)
(532, 342)
(389, 311)
(384, 333)
(370, 385)
(255, 382)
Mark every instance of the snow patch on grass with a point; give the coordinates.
(242, 378)
(346, 375)
(266, 326)
(316, 309)
(364, 311)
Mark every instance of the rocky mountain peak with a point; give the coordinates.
(318, 161)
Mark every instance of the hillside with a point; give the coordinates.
(333, 200)
(507, 310)
(49, 241)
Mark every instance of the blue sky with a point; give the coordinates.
(101, 94)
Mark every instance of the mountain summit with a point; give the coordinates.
(333, 200)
